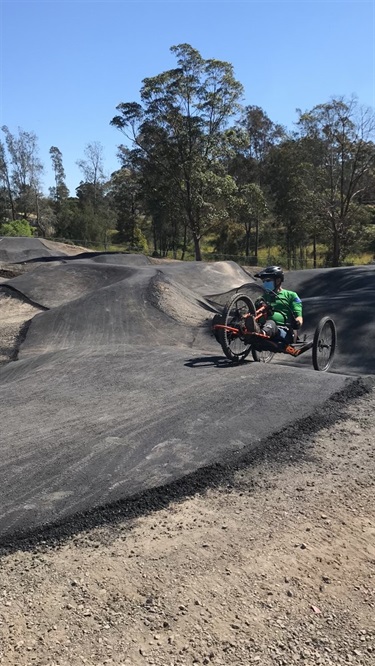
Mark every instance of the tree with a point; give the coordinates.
(262, 135)
(181, 126)
(249, 208)
(94, 202)
(125, 193)
(25, 177)
(126, 202)
(259, 135)
(344, 133)
(5, 180)
(293, 195)
(60, 191)
(59, 194)
(153, 195)
(92, 168)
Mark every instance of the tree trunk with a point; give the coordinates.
(314, 251)
(155, 243)
(256, 244)
(184, 244)
(301, 257)
(288, 251)
(174, 236)
(154, 235)
(38, 220)
(197, 248)
(336, 249)
(247, 246)
(10, 195)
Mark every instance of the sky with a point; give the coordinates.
(66, 64)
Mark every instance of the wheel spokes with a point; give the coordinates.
(325, 345)
(235, 346)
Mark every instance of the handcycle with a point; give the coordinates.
(237, 342)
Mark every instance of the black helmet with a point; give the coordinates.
(272, 272)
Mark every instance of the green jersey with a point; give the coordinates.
(283, 305)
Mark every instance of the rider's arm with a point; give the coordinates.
(297, 309)
(264, 310)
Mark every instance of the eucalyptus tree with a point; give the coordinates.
(124, 191)
(259, 135)
(249, 208)
(181, 126)
(293, 201)
(25, 172)
(342, 134)
(7, 200)
(262, 135)
(94, 200)
(59, 193)
(92, 168)
(168, 220)
(132, 221)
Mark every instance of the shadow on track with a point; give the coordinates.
(207, 361)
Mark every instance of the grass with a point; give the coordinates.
(266, 255)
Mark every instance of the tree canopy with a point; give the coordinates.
(201, 173)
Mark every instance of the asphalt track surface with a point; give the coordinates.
(16, 250)
(119, 386)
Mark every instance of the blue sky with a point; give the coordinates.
(66, 64)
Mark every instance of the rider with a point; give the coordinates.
(284, 307)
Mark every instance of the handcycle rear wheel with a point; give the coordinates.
(264, 356)
(233, 344)
(324, 344)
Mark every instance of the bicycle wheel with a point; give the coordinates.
(264, 356)
(324, 344)
(232, 342)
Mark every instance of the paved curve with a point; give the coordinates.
(120, 387)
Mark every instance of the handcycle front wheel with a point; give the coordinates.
(233, 342)
(324, 344)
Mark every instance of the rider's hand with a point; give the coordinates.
(296, 325)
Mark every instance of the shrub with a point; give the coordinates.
(16, 228)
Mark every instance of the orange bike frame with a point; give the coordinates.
(289, 349)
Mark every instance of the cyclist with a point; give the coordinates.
(284, 311)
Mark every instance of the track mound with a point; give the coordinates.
(347, 295)
(17, 250)
(120, 386)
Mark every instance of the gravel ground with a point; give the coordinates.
(272, 566)
(14, 314)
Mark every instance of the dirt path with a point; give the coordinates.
(14, 313)
(274, 568)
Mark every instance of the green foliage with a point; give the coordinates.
(139, 243)
(59, 193)
(16, 228)
(203, 176)
(21, 170)
(341, 136)
(180, 136)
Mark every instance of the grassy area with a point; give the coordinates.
(266, 255)
(359, 259)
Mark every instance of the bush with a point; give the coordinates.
(16, 228)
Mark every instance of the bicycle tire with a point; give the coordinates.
(234, 345)
(265, 356)
(324, 344)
